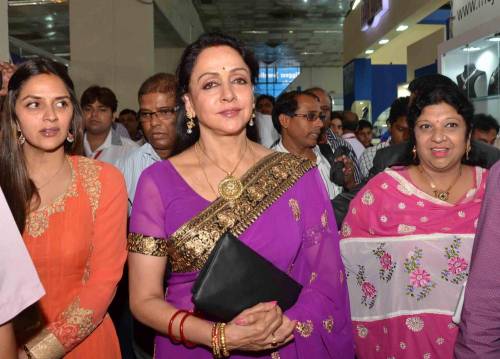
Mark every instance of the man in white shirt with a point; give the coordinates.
(263, 111)
(350, 125)
(298, 118)
(157, 115)
(100, 141)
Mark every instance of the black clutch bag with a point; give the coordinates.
(235, 278)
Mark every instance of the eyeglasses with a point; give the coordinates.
(311, 116)
(166, 113)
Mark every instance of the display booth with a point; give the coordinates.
(471, 59)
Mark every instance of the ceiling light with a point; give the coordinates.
(311, 53)
(49, 18)
(383, 41)
(355, 4)
(369, 51)
(51, 33)
(327, 31)
(402, 27)
(290, 31)
(471, 49)
(255, 32)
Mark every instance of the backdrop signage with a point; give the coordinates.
(468, 14)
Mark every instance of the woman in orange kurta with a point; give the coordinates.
(75, 226)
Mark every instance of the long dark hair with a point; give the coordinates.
(184, 71)
(449, 94)
(18, 188)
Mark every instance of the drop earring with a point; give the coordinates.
(467, 151)
(21, 139)
(190, 123)
(70, 138)
(251, 122)
(414, 151)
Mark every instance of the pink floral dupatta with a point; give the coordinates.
(407, 257)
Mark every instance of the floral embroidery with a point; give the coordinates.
(404, 228)
(324, 219)
(440, 341)
(385, 330)
(369, 291)
(451, 325)
(89, 171)
(328, 324)
(420, 204)
(76, 324)
(86, 271)
(402, 345)
(377, 348)
(461, 214)
(383, 219)
(341, 277)
(38, 220)
(424, 219)
(354, 210)
(427, 356)
(314, 275)
(384, 185)
(415, 324)
(401, 205)
(368, 198)
(420, 280)
(294, 205)
(362, 331)
(305, 328)
(274, 355)
(386, 265)
(457, 266)
(346, 230)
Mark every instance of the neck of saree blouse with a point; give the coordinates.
(189, 246)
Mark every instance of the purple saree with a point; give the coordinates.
(284, 214)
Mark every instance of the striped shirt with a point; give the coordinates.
(366, 159)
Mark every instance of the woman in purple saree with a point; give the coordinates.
(282, 212)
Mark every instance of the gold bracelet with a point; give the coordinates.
(215, 341)
(225, 352)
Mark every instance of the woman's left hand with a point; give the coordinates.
(348, 170)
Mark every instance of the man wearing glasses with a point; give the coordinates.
(157, 116)
(298, 118)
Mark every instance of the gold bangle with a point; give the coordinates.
(225, 352)
(215, 341)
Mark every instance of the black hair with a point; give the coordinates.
(312, 91)
(102, 94)
(184, 71)
(264, 97)
(364, 124)
(127, 111)
(426, 83)
(337, 114)
(287, 104)
(450, 95)
(483, 122)
(399, 108)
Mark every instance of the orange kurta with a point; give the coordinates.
(78, 247)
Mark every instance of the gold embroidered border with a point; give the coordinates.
(89, 170)
(45, 346)
(192, 243)
(151, 246)
(38, 220)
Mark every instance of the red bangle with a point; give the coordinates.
(170, 334)
(181, 330)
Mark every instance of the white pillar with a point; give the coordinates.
(4, 31)
(112, 44)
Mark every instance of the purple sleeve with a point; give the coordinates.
(322, 310)
(479, 335)
(148, 212)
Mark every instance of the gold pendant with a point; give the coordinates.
(443, 196)
(230, 188)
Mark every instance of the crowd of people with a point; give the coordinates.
(382, 238)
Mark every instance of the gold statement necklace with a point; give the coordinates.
(442, 195)
(230, 188)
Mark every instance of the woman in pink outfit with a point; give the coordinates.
(407, 239)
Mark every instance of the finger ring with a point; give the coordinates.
(273, 341)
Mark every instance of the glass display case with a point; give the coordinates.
(474, 66)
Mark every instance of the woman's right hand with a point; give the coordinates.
(260, 327)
